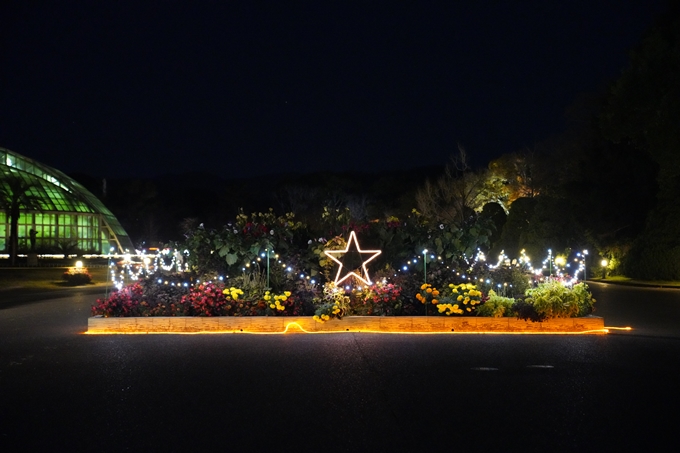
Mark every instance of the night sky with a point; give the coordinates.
(135, 88)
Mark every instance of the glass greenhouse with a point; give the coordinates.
(63, 214)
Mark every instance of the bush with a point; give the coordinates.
(125, 302)
(554, 300)
(526, 311)
(496, 306)
(77, 276)
(380, 299)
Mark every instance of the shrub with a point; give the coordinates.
(496, 306)
(381, 299)
(332, 304)
(211, 299)
(124, 302)
(554, 300)
(77, 276)
(584, 299)
(162, 298)
(526, 311)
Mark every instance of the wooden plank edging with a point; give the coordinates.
(390, 324)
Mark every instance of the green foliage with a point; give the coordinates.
(333, 303)
(515, 229)
(526, 311)
(240, 244)
(584, 299)
(496, 306)
(655, 254)
(514, 280)
(554, 300)
(455, 243)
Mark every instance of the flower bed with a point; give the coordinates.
(154, 305)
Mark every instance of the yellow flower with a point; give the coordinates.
(272, 306)
(435, 293)
(428, 290)
(450, 285)
(435, 301)
(469, 309)
(459, 298)
(423, 286)
(286, 293)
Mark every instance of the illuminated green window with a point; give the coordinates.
(3, 229)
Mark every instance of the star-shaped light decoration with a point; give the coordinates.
(352, 239)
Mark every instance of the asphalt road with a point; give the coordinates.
(61, 390)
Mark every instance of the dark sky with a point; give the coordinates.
(128, 88)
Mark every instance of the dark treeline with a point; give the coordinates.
(153, 210)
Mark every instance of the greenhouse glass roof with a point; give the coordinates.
(58, 192)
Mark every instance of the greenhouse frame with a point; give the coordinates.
(62, 213)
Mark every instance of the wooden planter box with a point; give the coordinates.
(387, 324)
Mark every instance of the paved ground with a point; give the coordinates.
(61, 390)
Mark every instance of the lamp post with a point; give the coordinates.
(268, 253)
(106, 290)
(425, 264)
(604, 268)
(585, 271)
(425, 272)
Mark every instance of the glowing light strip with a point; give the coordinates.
(352, 237)
(303, 330)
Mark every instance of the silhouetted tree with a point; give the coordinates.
(644, 110)
(454, 197)
(15, 195)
